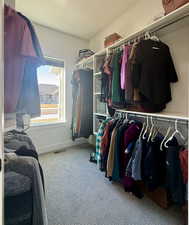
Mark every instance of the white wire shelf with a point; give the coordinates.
(100, 114)
(175, 116)
(165, 21)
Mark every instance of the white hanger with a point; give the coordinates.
(151, 130)
(126, 118)
(154, 38)
(143, 127)
(154, 134)
(165, 137)
(174, 133)
(147, 35)
(146, 129)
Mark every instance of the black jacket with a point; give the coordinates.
(153, 71)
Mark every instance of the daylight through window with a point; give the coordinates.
(51, 90)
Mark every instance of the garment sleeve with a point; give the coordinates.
(123, 69)
(27, 48)
(172, 74)
(136, 67)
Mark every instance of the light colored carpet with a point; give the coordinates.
(78, 193)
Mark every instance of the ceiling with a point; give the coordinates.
(81, 18)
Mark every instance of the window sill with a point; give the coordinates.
(52, 124)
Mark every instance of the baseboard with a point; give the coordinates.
(60, 146)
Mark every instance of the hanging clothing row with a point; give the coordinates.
(23, 56)
(138, 76)
(82, 108)
(131, 151)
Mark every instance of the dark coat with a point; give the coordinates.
(153, 71)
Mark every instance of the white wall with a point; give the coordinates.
(58, 45)
(177, 40)
(135, 18)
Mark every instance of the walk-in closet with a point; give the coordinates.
(94, 112)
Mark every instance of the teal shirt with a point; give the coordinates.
(99, 138)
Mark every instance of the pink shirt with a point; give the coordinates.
(124, 66)
(18, 45)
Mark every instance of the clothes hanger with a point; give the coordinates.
(154, 38)
(145, 132)
(165, 137)
(116, 115)
(119, 116)
(154, 133)
(151, 129)
(131, 121)
(142, 37)
(143, 127)
(174, 133)
(135, 42)
(126, 118)
(147, 35)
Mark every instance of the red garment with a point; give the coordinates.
(183, 155)
(105, 141)
(18, 45)
(131, 134)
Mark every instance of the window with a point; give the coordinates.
(52, 93)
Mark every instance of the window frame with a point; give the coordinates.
(51, 61)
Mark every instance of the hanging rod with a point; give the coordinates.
(181, 120)
(154, 114)
(161, 119)
(141, 34)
